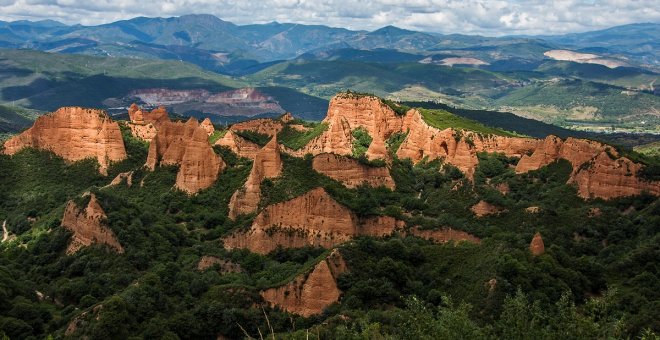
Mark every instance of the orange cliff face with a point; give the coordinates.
(598, 170)
(536, 247)
(352, 173)
(74, 133)
(186, 144)
(207, 126)
(143, 123)
(239, 145)
(87, 227)
(310, 293)
(458, 148)
(313, 219)
(267, 164)
(348, 112)
(265, 126)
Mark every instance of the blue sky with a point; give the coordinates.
(487, 17)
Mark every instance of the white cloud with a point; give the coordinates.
(488, 17)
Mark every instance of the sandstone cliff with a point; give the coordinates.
(348, 112)
(207, 126)
(267, 164)
(536, 247)
(310, 293)
(239, 145)
(265, 126)
(186, 144)
(74, 133)
(483, 208)
(225, 266)
(313, 219)
(87, 227)
(352, 173)
(598, 170)
(143, 123)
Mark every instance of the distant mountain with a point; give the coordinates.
(224, 47)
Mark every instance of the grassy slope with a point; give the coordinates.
(442, 119)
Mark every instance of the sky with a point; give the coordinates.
(486, 17)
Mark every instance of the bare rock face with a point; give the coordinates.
(207, 126)
(313, 219)
(287, 117)
(186, 144)
(609, 178)
(310, 293)
(536, 247)
(239, 145)
(458, 148)
(267, 164)
(484, 208)
(352, 173)
(121, 178)
(200, 166)
(265, 126)
(87, 227)
(445, 235)
(143, 123)
(598, 170)
(348, 112)
(74, 133)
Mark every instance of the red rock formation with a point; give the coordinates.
(610, 178)
(239, 145)
(533, 210)
(207, 126)
(287, 117)
(313, 219)
(458, 148)
(536, 247)
(74, 133)
(123, 177)
(445, 235)
(351, 172)
(267, 164)
(598, 170)
(87, 227)
(484, 208)
(143, 124)
(186, 144)
(200, 166)
(265, 126)
(310, 293)
(348, 112)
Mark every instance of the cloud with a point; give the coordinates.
(488, 17)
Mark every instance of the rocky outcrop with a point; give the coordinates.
(352, 173)
(239, 145)
(207, 126)
(264, 126)
(74, 133)
(143, 123)
(484, 208)
(310, 293)
(444, 235)
(458, 148)
(536, 247)
(313, 219)
(186, 144)
(287, 117)
(126, 177)
(225, 266)
(598, 170)
(88, 227)
(267, 164)
(348, 112)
